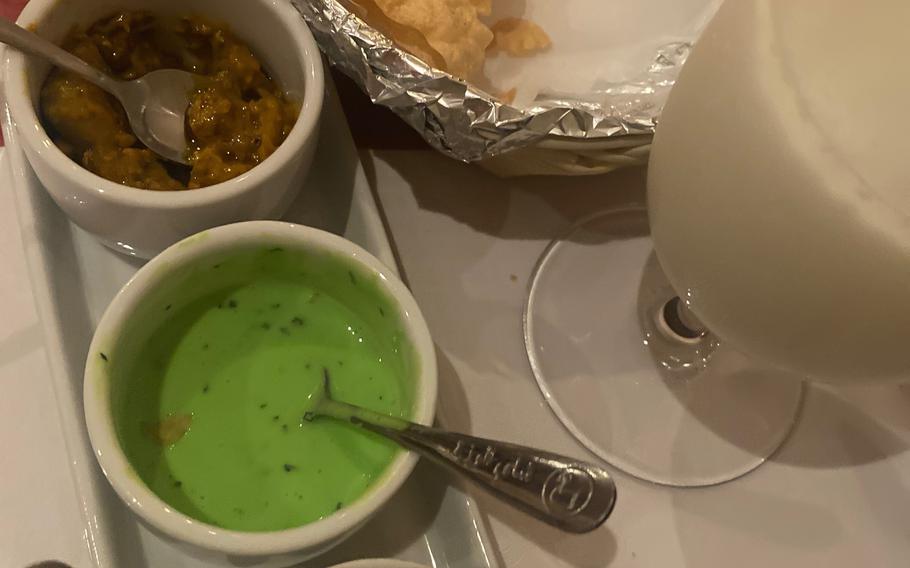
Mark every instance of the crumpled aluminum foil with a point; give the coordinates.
(469, 124)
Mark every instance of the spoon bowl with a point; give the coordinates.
(156, 106)
(155, 103)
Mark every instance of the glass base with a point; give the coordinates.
(657, 400)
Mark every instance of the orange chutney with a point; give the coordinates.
(237, 115)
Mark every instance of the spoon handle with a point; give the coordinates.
(572, 495)
(28, 42)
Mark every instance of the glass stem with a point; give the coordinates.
(678, 322)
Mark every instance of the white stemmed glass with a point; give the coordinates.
(673, 342)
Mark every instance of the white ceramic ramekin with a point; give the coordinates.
(151, 291)
(141, 222)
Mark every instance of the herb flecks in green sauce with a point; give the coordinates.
(209, 399)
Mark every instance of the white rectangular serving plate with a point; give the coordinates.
(73, 277)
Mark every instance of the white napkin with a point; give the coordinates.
(595, 42)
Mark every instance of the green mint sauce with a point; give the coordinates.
(209, 402)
